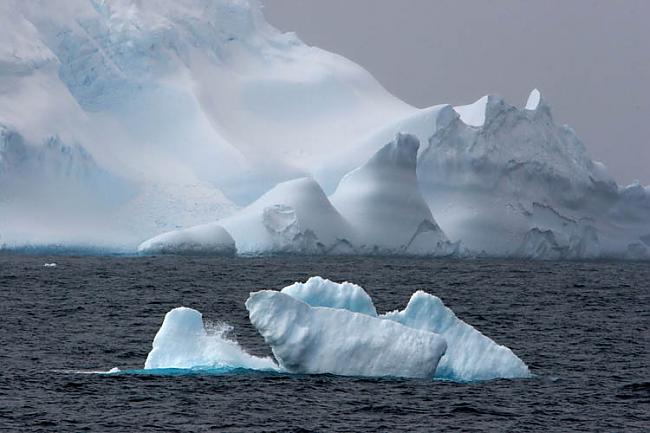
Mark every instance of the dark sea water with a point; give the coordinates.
(583, 329)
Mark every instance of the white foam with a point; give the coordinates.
(183, 342)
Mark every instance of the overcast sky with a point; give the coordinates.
(590, 58)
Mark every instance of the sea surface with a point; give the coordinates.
(582, 328)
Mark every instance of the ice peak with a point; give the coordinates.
(485, 108)
(534, 100)
(401, 152)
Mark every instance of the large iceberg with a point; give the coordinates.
(124, 119)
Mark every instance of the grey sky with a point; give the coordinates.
(590, 58)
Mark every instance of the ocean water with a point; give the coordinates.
(583, 329)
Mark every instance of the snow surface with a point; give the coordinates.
(183, 342)
(293, 217)
(317, 340)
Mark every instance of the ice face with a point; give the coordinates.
(183, 342)
(316, 340)
(470, 355)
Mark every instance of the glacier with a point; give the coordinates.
(122, 120)
(321, 326)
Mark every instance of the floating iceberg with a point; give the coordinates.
(312, 340)
(325, 327)
(470, 354)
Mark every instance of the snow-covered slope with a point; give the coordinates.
(293, 217)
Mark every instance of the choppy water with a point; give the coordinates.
(583, 328)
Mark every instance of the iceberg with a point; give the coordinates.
(320, 327)
(123, 119)
(182, 342)
(377, 209)
(318, 340)
(470, 355)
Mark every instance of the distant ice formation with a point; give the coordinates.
(122, 119)
(377, 209)
(206, 239)
(324, 327)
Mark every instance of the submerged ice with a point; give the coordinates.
(325, 327)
